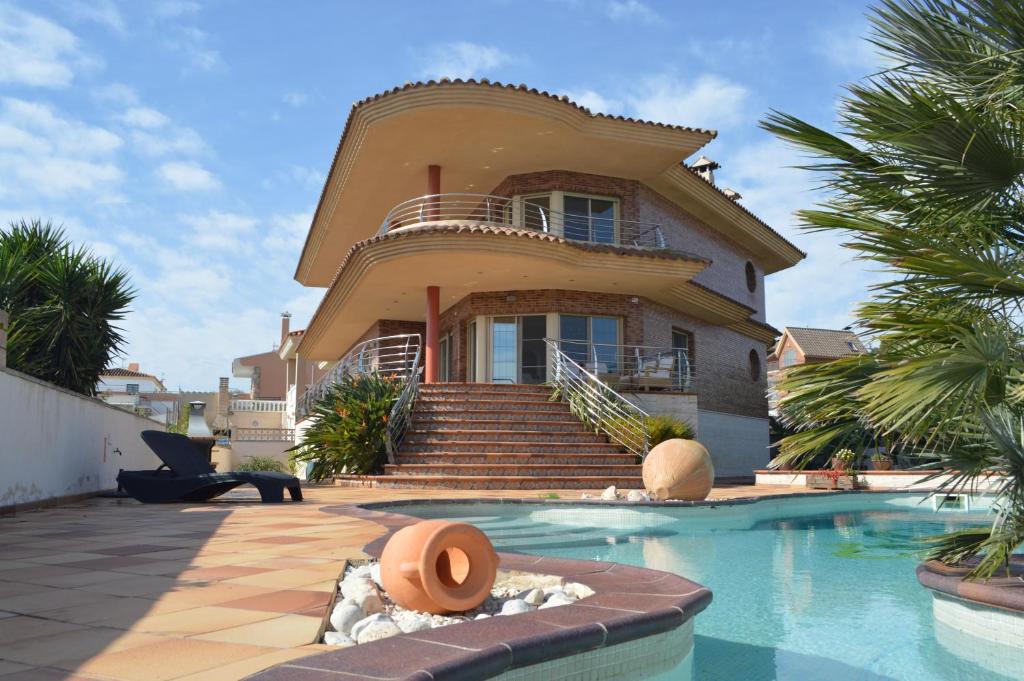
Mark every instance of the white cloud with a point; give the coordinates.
(35, 51)
(848, 49)
(187, 176)
(295, 99)
(460, 60)
(169, 9)
(192, 43)
(103, 12)
(595, 101)
(633, 10)
(143, 117)
(221, 230)
(57, 177)
(184, 141)
(287, 234)
(708, 101)
(62, 134)
(116, 93)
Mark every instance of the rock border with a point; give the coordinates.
(629, 603)
(1006, 593)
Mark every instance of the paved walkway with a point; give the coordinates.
(111, 589)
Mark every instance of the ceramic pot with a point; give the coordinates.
(439, 567)
(679, 469)
(882, 464)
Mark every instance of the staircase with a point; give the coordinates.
(500, 436)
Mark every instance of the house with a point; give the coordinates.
(801, 345)
(137, 391)
(513, 231)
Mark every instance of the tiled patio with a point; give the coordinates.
(112, 589)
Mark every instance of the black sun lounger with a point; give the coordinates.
(188, 477)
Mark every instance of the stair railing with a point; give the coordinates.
(396, 357)
(598, 405)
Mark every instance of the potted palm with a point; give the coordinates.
(881, 461)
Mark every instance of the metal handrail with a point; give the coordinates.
(634, 367)
(397, 357)
(258, 405)
(518, 212)
(598, 405)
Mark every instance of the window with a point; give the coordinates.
(751, 277)
(132, 388)
(590, 341)
(537, 212)
(789, 357)
(589, 219)
(445, 352)
(471, 352)
(682, 348)
(755, 365)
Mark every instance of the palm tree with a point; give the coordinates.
(63, 304)
(925, 183)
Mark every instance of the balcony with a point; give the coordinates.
(262, 435)
(520, 213)
(258, 405)
(631, 368)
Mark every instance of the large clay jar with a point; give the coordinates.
(679, 469)
(438, 566)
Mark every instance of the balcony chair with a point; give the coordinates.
(651, 372)
(189, 477)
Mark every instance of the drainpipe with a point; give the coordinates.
(433, 344)
(3, 339)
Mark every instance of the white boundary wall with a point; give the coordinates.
(738, 444)
(56, 443)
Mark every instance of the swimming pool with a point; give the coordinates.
(814, 587)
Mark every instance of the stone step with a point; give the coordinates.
(513, 482)
(480, 446)
(519, 458)
(517, 470)
(444, 404)
(484, 387)
(493, 417)
(432, 435)
(496, 425)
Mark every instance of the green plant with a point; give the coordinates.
(664, 427)
(181, 425)
(880, 457)
(63, 303)
(549, 495)
(349, 427)
(263, 463)
(844, 459)
(926, 185)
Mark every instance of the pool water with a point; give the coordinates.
(817, 587)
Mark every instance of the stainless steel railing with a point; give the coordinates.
(630, 368)
(597, 404)
(397, 357)
(519, 213)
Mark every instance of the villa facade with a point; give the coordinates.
(500, 223)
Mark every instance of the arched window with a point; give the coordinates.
(755, 366)
(751, 277)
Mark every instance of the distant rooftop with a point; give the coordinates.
(826, 343)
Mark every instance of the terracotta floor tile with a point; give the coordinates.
(168, 659)
(212, 594)
(283, 539)
(82, 577)
(36, 574)
(43, 674)
(149, 586)
(112, 563)
(63, 557)
(111, 612)
(286, 631)
(200, 620)
(66, 649)
(21, 627)
(221, 572)
(48, 600)
(8, 589)
(287, 562)
(247, 667)
(284, 579)
(11, 667)
(292, 600)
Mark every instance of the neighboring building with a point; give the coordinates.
(488, 218)
(800, 345)
(266, 370)
(137, 391)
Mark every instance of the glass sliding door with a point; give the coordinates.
(589, 219)
(591, 342)
(532, 350)
(604, 334)
(471, 352)
(504, 334)
(572, 330)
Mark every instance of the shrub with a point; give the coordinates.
(663, 427)
(263, 463)
(349, 428)
(844, 459)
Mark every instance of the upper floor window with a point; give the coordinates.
(575, 217)
(789, 357)
(751, 277)
(589, 219)
(132, 388)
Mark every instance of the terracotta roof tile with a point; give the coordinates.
(826, 343)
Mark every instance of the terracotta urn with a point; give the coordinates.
(439, 567)
(679, 469)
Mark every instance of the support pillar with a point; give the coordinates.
(433, 189)
(432, 356)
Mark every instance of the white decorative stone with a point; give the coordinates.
(533, 596)
(359, 572)
(636, 495)
(577, 590)
(370, 603)
(409, 621)
(516, 606)
(610, 494)
(357, 588)
(482, 616)
(375, 575)
(557, 599)
(585, 496)
(344, 616)
(333, 638)
(375, 628)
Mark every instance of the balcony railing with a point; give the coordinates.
(262, 435)
(519, 213)
(634, 367)
(258, 405)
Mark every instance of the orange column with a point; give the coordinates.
(432, 357)
(433, 189)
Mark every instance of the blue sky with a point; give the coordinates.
(189, 140)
